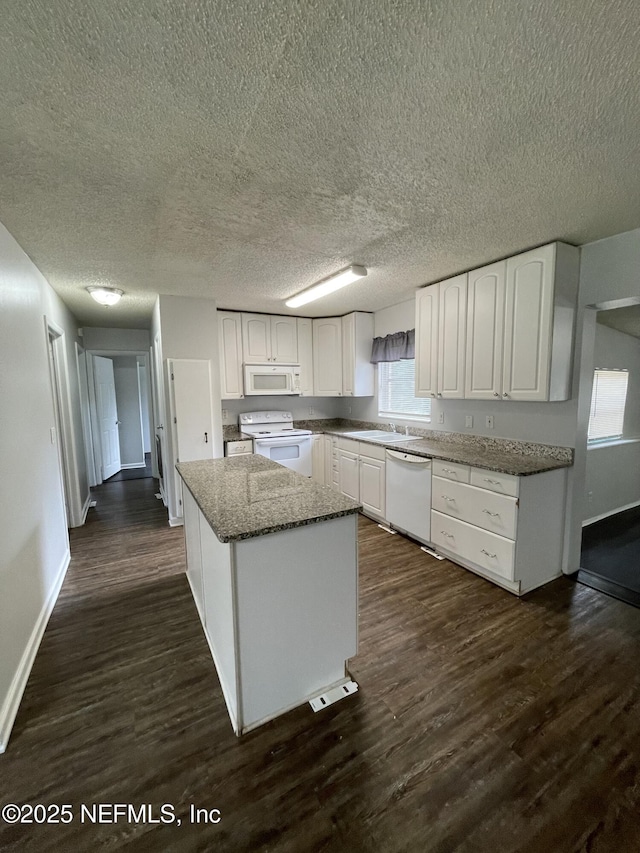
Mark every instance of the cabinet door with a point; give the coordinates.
(328, 461)
(256, 338)
(427, 341)
(230, 347)
(348, 473)
(317, 459)
(372, 486)
(485, 332)
(327, 357)
(527, 324)
(284, 340)
(305, 355)
(348, 353)
(452, 324)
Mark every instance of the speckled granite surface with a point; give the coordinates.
(520, 458)
(246, 496)
(508, 457)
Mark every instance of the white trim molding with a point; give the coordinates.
(9, 708)
(132, 465)
(611, 512)
(85, 508)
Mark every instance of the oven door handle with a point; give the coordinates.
(274, 442)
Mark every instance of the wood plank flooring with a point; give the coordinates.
(483, 722)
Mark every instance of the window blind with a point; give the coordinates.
(608, 400)
(396, 390)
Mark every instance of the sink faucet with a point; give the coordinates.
(392, 427)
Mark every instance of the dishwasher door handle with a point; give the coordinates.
(408, 457)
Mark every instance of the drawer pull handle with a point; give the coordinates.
(448, 535)
(493, 482)
(445, 498)
(492, 514)
(449, 470)
(493, 556)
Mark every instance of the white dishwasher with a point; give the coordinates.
(409, 494)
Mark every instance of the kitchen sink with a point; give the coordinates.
(380, 436)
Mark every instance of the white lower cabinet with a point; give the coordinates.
(317, 459)
(361, 471)
(508, 529)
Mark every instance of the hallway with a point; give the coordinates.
(483, 722)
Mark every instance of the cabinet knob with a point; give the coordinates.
(505, 394)
(495, 394)
(439, 394)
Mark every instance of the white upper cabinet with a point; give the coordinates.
(503, 331)
(284, 340)
(305, 355)
(268, 337)
(427, 341)
(540, 305)
(485, 332)
(440, 338)
(452, 323)
(528, 325)
(357, 370)
(230, 348)
(327, 357)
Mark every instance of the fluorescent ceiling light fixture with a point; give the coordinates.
(105, 295)
(334, 282)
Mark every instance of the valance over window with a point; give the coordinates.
(394, 347)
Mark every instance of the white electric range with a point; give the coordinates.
(275, 437)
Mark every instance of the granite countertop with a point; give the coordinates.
(516, 458)
(246, 496)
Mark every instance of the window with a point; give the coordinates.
(607, 404)
(396, 391)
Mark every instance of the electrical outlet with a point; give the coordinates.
(348, 410)
(225, 414)
(468, 420)
(590, 496)
(440, 417)
(489, 421)
(311, 410)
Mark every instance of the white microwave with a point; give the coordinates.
(270, 379)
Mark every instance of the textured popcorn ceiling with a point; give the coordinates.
(244, 149)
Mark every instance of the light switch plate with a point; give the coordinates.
(489, 421)
(225, 414)
(440, 417)
(468, 421)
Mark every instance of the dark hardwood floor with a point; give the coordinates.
(483, 722)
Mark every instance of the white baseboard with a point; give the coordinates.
(176, 521)
(10, 706)
(85, 508)
(608, 514)
(133, 465)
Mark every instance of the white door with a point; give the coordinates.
(485, 332)
(284, 340)
(528, 324)
(349, 474)
(107, 415)
(452, 325)
(159, 415)
(305, 355)
(230, 347)
(372, 485)
(191, 414)
(191, 409)
(256, 338)
(327, 357)
(427, 341)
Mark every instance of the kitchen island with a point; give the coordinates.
(272, 564)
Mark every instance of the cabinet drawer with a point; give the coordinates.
(451, 470)
(497, 513)
(504, 484)
(348, 444)
(373, 451)
(480, 547)
(236, 448)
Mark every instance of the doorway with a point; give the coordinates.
(119, 412)
(610, 552)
